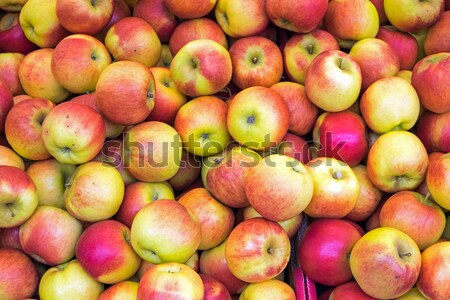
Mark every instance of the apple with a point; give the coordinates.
(40, 23)
(437, 35)
(428, 78)
(122, 290)
(392, 167)
(113, 153)
(23, 128)
(270, 289)
(133, 39)
(333, 80)
(373, 221)
(295, 147)
(201, 67)
(341, 135)
(165, 231)
(192, 262)
(297, 16)
(95, 15)
(6, 103)
(120, 11)
(258, 118)
(137, 195)
(69, 281)
(12, 37)
(349, 291)
(435, 271)
(438, 180)
(238, 19)
(156, 13)
(188, 173)
(50, 235)
(152, 151)
(9, 71)
(18, 196)
(170, 280)
(434, 131)
(9, 238)
(413, 16)
(127, 87)
(335, 186)
(10, 158)
(379, 5)
(214, 289)
(385, 263)
(73, 133)
(412, 294)
(257, 61)
(190, 9)
(257, 250)
(36, 77)
(95, 192)
(390, 103)
(416, 215)
(194, 29)
(20, 277)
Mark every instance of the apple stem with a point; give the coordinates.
(405, 254)
(337, 175)
(11, 210)
(427, 196)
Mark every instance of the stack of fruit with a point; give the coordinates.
(224, 149)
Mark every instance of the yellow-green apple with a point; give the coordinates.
(90, 99)
(166, 57)
(6, 103)
(9, 157)
(333, 80)
(376, 58)
(213, 263)
(9, 71)
(194, 29)
(95, 15)
(133, 39)
(127, 87)
(429, 79)
(50, 178)
(122, 290)
(20, 277)
(412, 294)
(156, 13)
(50, 235)
(341, 135)
(37, 79)
(190, 9)
(413, 16)
(379, 5)
(434, 131)
(390, 103)
(40, 24)
(78, 61)
(416, 215)
(435, 272)
(257, 61)
(168, 99)
(385, 262)
(104, 251)
(335, 186)
(403, 44)
(202, 125)
(226, 177)
(153, 151)
(349, 20)
(295, 147)
(12, 37)
(137, 195)
(23, 128)
(216, 220)
(165, 231)
(95, 192)
(73, 132)
(298, 16)
(238, 19)
(258, 118)
(170, 280)
(113, 153)
(300, 50)
(257, 250)
(349, 291)
(438, 35)
(392, 167)
(189, 171)
(420, 38)
(214, 289)
(369, 196)
(289, 193)
(12, 5)
(325, 249)
(69, 281)
(18, 196)
(438, 180)
(201, 67)
(270, 289)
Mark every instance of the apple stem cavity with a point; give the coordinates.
(336, 175)
(11, 210)
(310, 48)
(405, 254)
(251, 120)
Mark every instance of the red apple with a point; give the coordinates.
(113, 153)
(122, 290)
(189, 171)
(438, 180)
(349, 291)
(9, 238)
(214, 289)
(190, 9)
(120, 11)
(12, 37)
(295, 147)
(434, 131)
(9, 71)
(6, 103)
(438, 35)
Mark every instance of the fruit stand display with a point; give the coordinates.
(224, 149)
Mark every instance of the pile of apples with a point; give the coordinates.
(224, 149)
